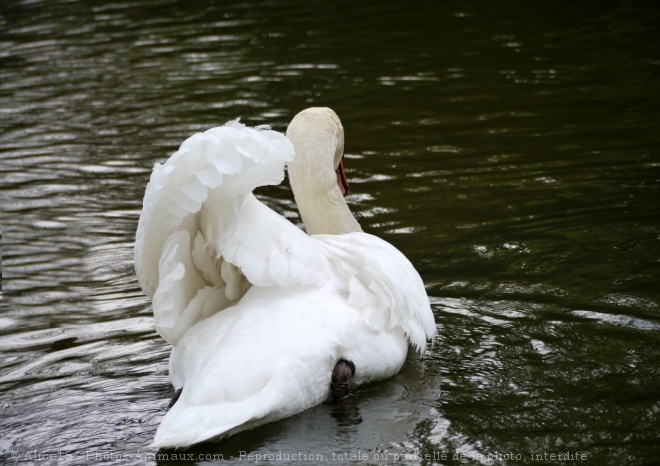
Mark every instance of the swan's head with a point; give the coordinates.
(318, 138)
(317, 172)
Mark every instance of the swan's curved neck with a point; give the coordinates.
(318, 139)
(323, 211)
(321, 204)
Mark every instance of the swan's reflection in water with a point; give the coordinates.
(346, 413)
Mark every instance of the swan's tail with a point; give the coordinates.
(186, 425)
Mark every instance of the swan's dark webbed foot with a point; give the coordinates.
(342, 379)
(175, 398)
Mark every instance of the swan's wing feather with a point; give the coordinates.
(228, 161)
(382, 284)
(271, 251)
(203, 238)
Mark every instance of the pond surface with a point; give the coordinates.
(510, 150)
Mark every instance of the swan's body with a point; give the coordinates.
(259, 313)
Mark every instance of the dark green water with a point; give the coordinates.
(509, 149)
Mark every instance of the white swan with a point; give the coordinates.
(259, 313)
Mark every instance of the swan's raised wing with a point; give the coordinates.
(203, 238)
(382, 284)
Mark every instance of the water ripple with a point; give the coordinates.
(511, 157)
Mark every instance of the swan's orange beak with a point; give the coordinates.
(341, 178)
